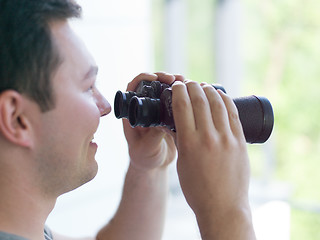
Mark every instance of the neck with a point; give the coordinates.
(23, 210)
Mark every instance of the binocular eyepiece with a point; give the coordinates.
(151, 105)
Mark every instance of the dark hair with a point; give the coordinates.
(28, 56)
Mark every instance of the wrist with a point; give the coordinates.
(138, 170)
(231, 223)
(147, 183)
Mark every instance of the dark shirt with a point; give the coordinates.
(8, 236)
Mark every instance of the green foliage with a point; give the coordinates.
(302, 219)
(282, 62)
(281, 53)
(200, 40)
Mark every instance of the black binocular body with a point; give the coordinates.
(151, 105)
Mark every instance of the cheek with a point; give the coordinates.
(76, 115)
(64, 133)
(78, 120)
(85, 115)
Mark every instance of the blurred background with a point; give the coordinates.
(268, 47)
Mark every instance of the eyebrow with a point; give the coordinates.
(93, 71)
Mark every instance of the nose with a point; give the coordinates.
(103, 105)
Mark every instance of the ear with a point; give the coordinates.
(14, 124)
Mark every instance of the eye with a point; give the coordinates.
(91, 89)
(90, 86)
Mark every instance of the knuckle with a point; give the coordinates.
(209, 141)
(234, 116)
(208, 90)
(224, 143)
(140, 77)
(180, 104)
(159, 73)
(218, 106)
(214, 142)
(227, 140)
(187, 145)
(130, 86)
(189, 81)
(144, 74)
(179, 77)
(208, 87)
(199, 100)
(231, 143)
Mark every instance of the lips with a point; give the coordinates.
(92, 141)
(93, 144)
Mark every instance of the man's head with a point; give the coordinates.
(49, 104)
(28, 55)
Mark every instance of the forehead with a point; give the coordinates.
(75, 58)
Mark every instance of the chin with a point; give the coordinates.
(86, 176)
(92, 171)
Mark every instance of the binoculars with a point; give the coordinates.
(150, 105)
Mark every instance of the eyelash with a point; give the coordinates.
(91, 88)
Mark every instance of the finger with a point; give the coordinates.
(200, 107)
(182, 110)
(233, 115)
(165, 77)
(142, 76)
(218, 109)
(129, 132)
(169, 78)
(179, 77)
(137, 134)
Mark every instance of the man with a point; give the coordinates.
(50, 109)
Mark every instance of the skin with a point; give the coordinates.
(78, 108)
(44, 155)
(141, 212)
(215, 158)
